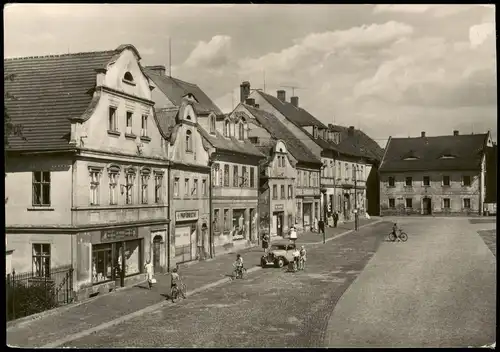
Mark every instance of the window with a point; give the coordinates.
(466, 180)
(41, 259)
(283, 195)
(144, 126)
(409, 202)
(245, 176)
(176, 187)
(112, 119)
(362, 173)
(241, 131)
(346, 170)
(315, 132)
(94, 187)
(186, 186)
(235, 176)
(41, 188)
(133, 249)
(332, 168)
(310, 179)
(299, 178)
(204, 187)
(102, 263)
(212, 124)
(128, 77)
(354, 172)
(392, 203)
(129, 122)
(226, 129)
(194, 190)
(392, 182)
(130, 187)
(113, 182)
(427, 181)
(158, 188)
(226, 175)
(215, 174)
(275, 192)
(446, 180)
(467, 203)
(408, 182)
(216, 220)
(188, 117)
(446, 203)
(290, 192)
(226, 219)
(144, 188)
(189, 141)
(252, 177)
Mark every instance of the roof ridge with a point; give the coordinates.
(59, 55)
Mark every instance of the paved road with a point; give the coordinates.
(436, 290)
(271, 308)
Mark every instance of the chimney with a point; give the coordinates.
(295, 101)
(244, 91)
(256, 105)
(158, 69)
(250, 101)
(330, 126)
(350, 132)
(422, 134)
(455, 133)
(281, 94)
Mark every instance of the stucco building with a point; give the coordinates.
(442, 175)
(282, 194)
(87, 187)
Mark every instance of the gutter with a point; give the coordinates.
(210, 221)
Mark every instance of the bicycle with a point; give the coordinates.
(401, 236)
(176, 290)
(239, 273)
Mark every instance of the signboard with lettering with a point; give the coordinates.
(119, 234)
(187, 215)
(279, 207)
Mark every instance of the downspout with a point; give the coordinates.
(168, 216)
(210, 221)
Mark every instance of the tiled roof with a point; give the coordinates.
(167, 120)
(467, 149)
(48, 91)
(359, 143)
(175, 89)
(230, 144)
(280, 131)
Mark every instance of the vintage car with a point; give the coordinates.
(280, 254)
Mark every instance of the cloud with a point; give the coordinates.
(479, 33)
(435, 10)
(402, 8)
(212, 54)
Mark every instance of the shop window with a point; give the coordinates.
(282, 189)
(158, 187)
(252, 177)
(41, 188)
(176, 187)
(132, 257)
(235, 176)
(95, 176)
(102, 263)
(467, 203)
(238, 223)
(226, 175)
(275, 192)
(186, 186)
(41, 259)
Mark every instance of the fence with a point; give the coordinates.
(27, 294)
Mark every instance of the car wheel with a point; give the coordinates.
(280, 262)
(263, 263)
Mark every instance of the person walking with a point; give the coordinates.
(150, 273)
(321, 226)
(335, 218)
(293, 234)
(265, 241)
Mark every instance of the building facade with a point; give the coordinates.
(442, 175)
(98, 182)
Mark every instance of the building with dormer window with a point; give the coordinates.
(442, 175)
(87, 187)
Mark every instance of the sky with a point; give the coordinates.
(390, 70)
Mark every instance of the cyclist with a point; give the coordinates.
(303, 257)
(175, 279)
(395, 231)
(238, 265)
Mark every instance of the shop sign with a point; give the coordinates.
(119, 234)
(279, 207)
(186, 215)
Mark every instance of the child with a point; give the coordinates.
(303, 257)
(175, 279)
(238, 264)
(296, 257)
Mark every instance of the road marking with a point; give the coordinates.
(159, 305)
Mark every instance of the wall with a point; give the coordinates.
(436, 191)
(19, 209)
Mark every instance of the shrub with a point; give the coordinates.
(27, 298)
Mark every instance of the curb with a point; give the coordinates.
(140, 312)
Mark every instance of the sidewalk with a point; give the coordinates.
(94, 312)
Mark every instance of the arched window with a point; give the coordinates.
(128, 77)
(212, 124)
(241, 133)
(188, 117)
(226, 128)
(189, 141)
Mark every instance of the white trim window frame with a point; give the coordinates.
(113, 176)
(94, 185)
(145, 174)
(144, 126)
(158, 187)
(41, 189)
(129, 186)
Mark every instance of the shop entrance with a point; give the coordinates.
(278, 222)
(157, 240)
(185, 237)
(307, 209)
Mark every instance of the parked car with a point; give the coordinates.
(280, 254)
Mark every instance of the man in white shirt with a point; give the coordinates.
(293, 234)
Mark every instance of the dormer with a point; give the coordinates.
(226, 128)
(447, 154)
(315, 131)
(212, 127)
(128, 78)
(411, 155)
(336, 137)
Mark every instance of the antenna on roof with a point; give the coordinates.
(169, 57)
(293, 88)
(264, 80)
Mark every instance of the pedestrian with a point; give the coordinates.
(265, 241)
(150, 273)
(293, 234)
(335, 218)
(321, 226)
